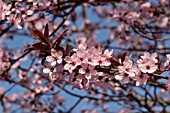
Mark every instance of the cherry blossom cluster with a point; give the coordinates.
(146, 64)
(80, 66)
(10, 13)
(143, 15)
(87, 66)
(21, 13)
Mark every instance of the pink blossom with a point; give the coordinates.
(94, 51)
(81, 82)
(146, 5)
(58, 73)
(72, 62)
(81, 47)
(147, 67)
(40, 23)
(2, 89)
(163, 22)
(60, 99)
(152, 57)
(107, 53)
(80, 39)
(67, 23)
(92, 56)
(164, 2)
(141, 79)
(43, 5)
(21, 75)
(128, 67)
(88, 70)
(103, 80)
(104, 58)
(91, 59)
(14, 97)
(80, 55)
(167, 61)
(168, 56)
(45, 89)
(101, 11)
(147, 63)
(122, 110)
(112, 35)
(77, 84)
(107, 83)
(103, 61)
(123, 76)
(105, 107)
(4, 60)
(5, 10)
(52, 73)
(56, 57)
(13, 19)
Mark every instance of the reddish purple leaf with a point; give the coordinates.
(58, 41)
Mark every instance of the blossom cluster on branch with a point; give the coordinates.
(92, 67)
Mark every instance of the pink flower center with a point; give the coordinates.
(87, 70)
(79, 42)
(100, 62)
(100, 77)
(89, 60)
(106, 80)
(141, 76)
(81, 59)
(73, 63)
(148, 67)
(56, 58)
(127, 69)
(126, 75)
